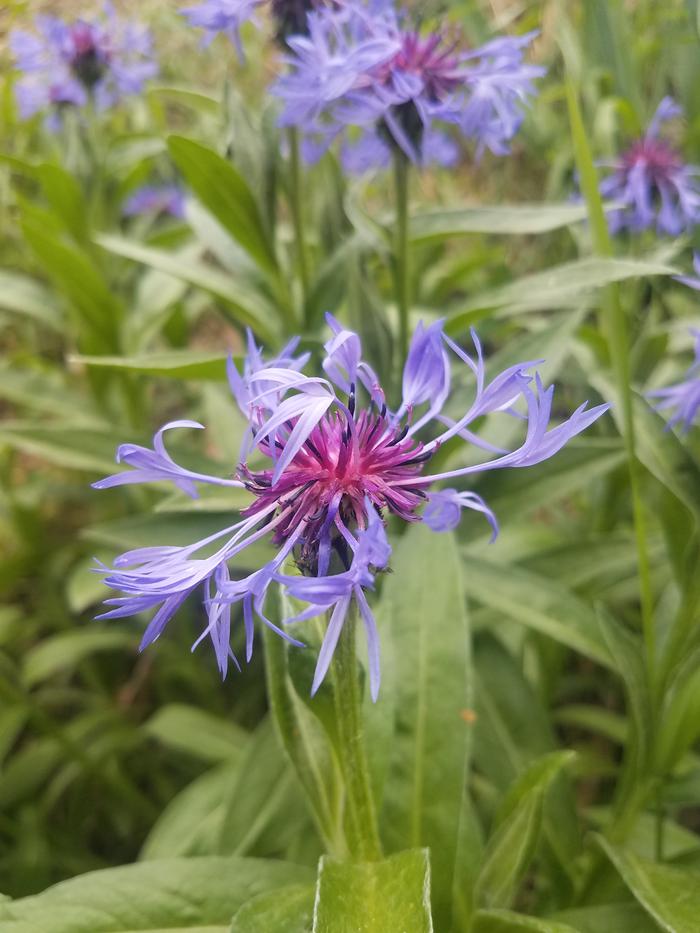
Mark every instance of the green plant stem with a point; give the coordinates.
(363, 841)
(401, 271)
(613, 326)
(297, 209)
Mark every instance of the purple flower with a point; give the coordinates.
(653, 184)
(683, 399)
(69, 63)
(336, 462)
(155, 199)
(227, 17)
(360, 67)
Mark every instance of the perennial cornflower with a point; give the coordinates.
(363, 75)
(652, 183)
(336, 462)
(155, 199)
(227, 17)
(72, 63)
(683, 399)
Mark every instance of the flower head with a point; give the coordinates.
(69, 63)
(155, 199)
(683, 399)
(337, 463)
(653, 184)
(360, 71)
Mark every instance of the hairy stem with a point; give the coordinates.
(363, 832)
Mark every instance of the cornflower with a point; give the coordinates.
(227, 17)
(683, 398)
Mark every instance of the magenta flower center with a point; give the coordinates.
(436, 66)
(344, 462)
(657, 156)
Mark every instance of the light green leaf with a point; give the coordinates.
(671, 896)
(627, 917)
(539, 603)
(286, 910)
(63, 652)
(391, 896)
(196, 732)
(191, 822)
(176, 364)
(65, 197)
(557, 287)
(504, 921)
(197, 99)
(87, 449)
(517, 829)
(250, 307)
(23, 295)
(167, 895)
(424, 600)
(225, 193)
(499, 219)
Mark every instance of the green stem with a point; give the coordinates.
(364, 843)
(403, 300)
(297, 209)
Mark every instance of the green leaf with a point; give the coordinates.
(517, 829)
(96, 311)
(176, 364)
(428, 760)
(620, 918)
(225, 193)
(250, 307)
(196, 732)
(167, 895)
(23, 295)
(539, 603)
(671, 896)
(504, 921)
(65, 651)
(557, 287)
(391, 896)
(198, 100)
(286, 910)
(191, 822)
(499, 219)
(65, 197)
(87, 449)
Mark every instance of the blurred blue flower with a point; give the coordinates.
(71, 63)
(683, 399)
(155, 199)
(336, 461)
(361, 74)
(653, 184)
(227, 17)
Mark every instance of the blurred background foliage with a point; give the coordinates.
(110, 326)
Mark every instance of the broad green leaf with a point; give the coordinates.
(87, 449)
(557, 287)
(65, 197)
(391, 896)
(499, 219)
(176, 364)
(249, 307)
(516, 832)
(225, 193)
(65, 651)
(23, 295)
(671, 896)
(197, 733)
(191, 822)
(46, 392)
(197, 99)
(504, 921)
(96, 311)
(627, 917)
(537, 602)
(165, 895)
(286, 910)
(428, 760)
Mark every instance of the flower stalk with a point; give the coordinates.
(401, 270)
(363, 833)
(297, 211)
